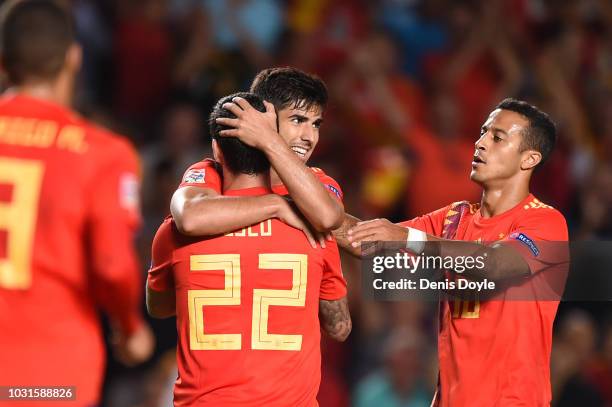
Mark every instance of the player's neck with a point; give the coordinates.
(501, 198)
(58, 91)
(244, 181)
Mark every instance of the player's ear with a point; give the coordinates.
(529, 159)
(74, 57)
(217, 154)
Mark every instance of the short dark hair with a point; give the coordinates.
(288, 87)
(541, 135)
(239, 157)
(36, 35)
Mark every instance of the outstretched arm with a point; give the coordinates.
(503, 261)
(258, 130)
(342, 237)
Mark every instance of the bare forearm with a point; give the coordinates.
(335, 318)
(207, 216)
(313, 200)
(500, 261)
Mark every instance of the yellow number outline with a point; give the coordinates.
(18, 217)
(262, 300)
(229, 295)
(463, 306)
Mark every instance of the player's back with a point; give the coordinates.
(52, 169)
(247, 316)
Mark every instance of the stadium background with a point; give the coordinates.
(410, 83)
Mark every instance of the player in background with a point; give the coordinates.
(492, 352)
(68, 212)
(247, 303)
(299, 98)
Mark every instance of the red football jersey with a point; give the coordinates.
(68, 212)
(207, 174)
(497, 353)
(247, 308)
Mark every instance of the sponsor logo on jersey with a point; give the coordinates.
(128, 191)
(334, 190)
(195, 176)
(527, 241)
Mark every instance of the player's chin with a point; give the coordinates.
(476, 177)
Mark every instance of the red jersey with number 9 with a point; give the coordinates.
(497, 352)
(68, 213)
(247, 312)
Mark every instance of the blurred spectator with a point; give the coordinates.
(573, 349)
(252, 27)
(400, 382)
(441, 154)
(143, 51)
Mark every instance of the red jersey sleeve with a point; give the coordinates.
(160, 276)
(113, 219)
(431, 223)
(330, 184)
(333, 284)
(203, 174)
(538, 237)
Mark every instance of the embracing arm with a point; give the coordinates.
(318, 206)
(203, 212)
(258, 130)
(335, 318)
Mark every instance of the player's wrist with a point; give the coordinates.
(275, 204)
(415, 240)
(269, 141)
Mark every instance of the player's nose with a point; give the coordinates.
(308, 134)
(480, 144)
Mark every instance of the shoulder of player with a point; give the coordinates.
(535, 207)
(323, 177)
(103, 141)
(546, 216)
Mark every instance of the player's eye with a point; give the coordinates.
(316, 125)
(497, 139)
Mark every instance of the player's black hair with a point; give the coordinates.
(288, 87)
(35, 37)
(541, 135)
(239, 157)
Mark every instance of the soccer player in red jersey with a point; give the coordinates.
(496, 352)
(248, 302)
(68, 212)
(299, 98)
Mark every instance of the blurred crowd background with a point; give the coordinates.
(410, 84)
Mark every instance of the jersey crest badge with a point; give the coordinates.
(195, 176)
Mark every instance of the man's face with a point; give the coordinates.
(300, 129)
(498, 153)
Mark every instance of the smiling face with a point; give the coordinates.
(300, 129)
(498, 155)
